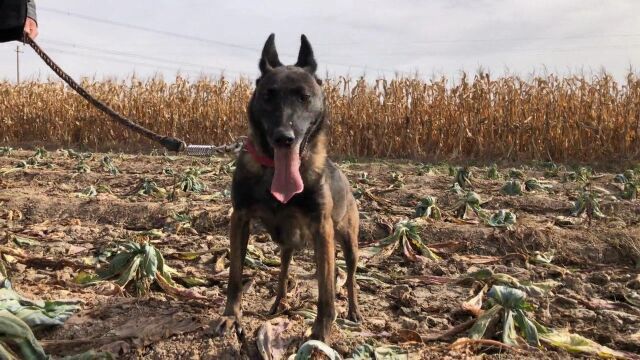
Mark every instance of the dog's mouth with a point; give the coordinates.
(287, 180)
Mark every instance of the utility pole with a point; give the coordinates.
(18, 51)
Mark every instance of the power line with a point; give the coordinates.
(147, 29)
(196, 38)
(137, 63)
(138, 56)
(518, 50)
(521, 39)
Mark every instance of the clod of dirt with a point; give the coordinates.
(575, 283)
(157, 328)
(377, 324)
(434, 322)
(619, 317)
(634, 283)
(584, 314)
(211, 220)
(599, 278)
(402, 293)
(610, 318)
(408, 323)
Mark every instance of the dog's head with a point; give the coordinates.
(288, 103)
(286, 112)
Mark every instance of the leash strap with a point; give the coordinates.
(170, 143)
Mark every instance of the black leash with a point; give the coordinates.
(168, 142)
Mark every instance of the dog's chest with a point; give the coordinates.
(288, 226)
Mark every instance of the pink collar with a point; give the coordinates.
(260, 159)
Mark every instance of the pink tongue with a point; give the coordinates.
(286, 180)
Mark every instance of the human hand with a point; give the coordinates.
(31, 28)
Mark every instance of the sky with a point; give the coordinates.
(118, 38)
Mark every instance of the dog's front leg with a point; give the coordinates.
(239, 237)
(324, 248)
(285, 261)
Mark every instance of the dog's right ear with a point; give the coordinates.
(306, 59)
(269, 59)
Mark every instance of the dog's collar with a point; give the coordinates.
(260, 159)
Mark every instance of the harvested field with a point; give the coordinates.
(60, 215)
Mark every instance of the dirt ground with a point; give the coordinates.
(58, 233)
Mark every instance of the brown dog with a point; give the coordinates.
(284, 178)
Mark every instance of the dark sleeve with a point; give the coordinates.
(31, 9)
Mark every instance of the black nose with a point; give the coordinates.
(284, 137)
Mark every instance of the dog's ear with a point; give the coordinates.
(306, 60)
(269, 59)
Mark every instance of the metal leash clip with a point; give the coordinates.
(209, 150)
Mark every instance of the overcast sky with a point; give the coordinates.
(377, 38)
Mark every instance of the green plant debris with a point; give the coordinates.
(512, 187)
(406, 238)
(468, 206)
(190, 181)
(428, 208)
(502, 219)
(493, 173)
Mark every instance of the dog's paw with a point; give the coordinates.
(355, 316)
(274, 309)
(320, 331)
(278, 307)
(225, 324)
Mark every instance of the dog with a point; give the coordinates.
(284, 179)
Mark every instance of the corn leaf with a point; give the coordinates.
(463, 176)
(512, 188)
(84, 278)
(129, 272)
(306, 351)
(535, 185)
(479, 328)
(363, 352)
(15, 331)
(507, 297)
(427, 208)
(390, 353)
(502, 219)
(516, 174)
(492, 172)
(527, 327)
(91, 355)
(36, 313)
(149, 261)
(509, 334)
(578, 344)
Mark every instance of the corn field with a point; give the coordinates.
(567, 119)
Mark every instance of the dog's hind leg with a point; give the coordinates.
(285, 259)
(239, 238)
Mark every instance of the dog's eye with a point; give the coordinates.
(269, 95)
(304, 97)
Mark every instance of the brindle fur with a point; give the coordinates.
(290, 98)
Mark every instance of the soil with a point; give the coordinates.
(595, 262)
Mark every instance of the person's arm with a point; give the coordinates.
(31, 25)
(31, 10)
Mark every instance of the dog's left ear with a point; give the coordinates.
(306, 60)
(269, 59)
